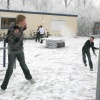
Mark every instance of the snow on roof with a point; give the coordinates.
(29, 12)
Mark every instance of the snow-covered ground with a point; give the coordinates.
(59, 73)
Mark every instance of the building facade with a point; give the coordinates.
(55, 24)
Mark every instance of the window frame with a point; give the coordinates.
(1, 21)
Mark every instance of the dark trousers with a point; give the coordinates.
(41, 36)
(38, 37)
(84, 53)
(11, 61)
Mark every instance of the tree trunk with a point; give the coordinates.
(8, 4)
(84, 2)
(23, 2)
(65, 4)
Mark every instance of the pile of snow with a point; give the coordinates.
(59, 73)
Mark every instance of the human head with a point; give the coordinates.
(91, 39)
(40, 26)
(21, 20)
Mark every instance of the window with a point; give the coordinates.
(6, 22)
(58, 24)
(97, 28)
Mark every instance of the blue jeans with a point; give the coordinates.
(11, 61)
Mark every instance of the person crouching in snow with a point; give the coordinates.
(86, 51)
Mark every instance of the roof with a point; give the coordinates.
(29, 12)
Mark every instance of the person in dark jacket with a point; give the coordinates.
(38, 34)
(86, 51)
(15, 50)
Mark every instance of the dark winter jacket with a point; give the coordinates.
(38, 32)
(15, 41)
(89, 45)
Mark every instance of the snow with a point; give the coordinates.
(59, 73)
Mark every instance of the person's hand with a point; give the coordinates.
(25, 27)
(16, 31)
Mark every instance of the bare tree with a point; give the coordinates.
(84, 2)
(8, 4)
(65, 3)
(23, 2)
